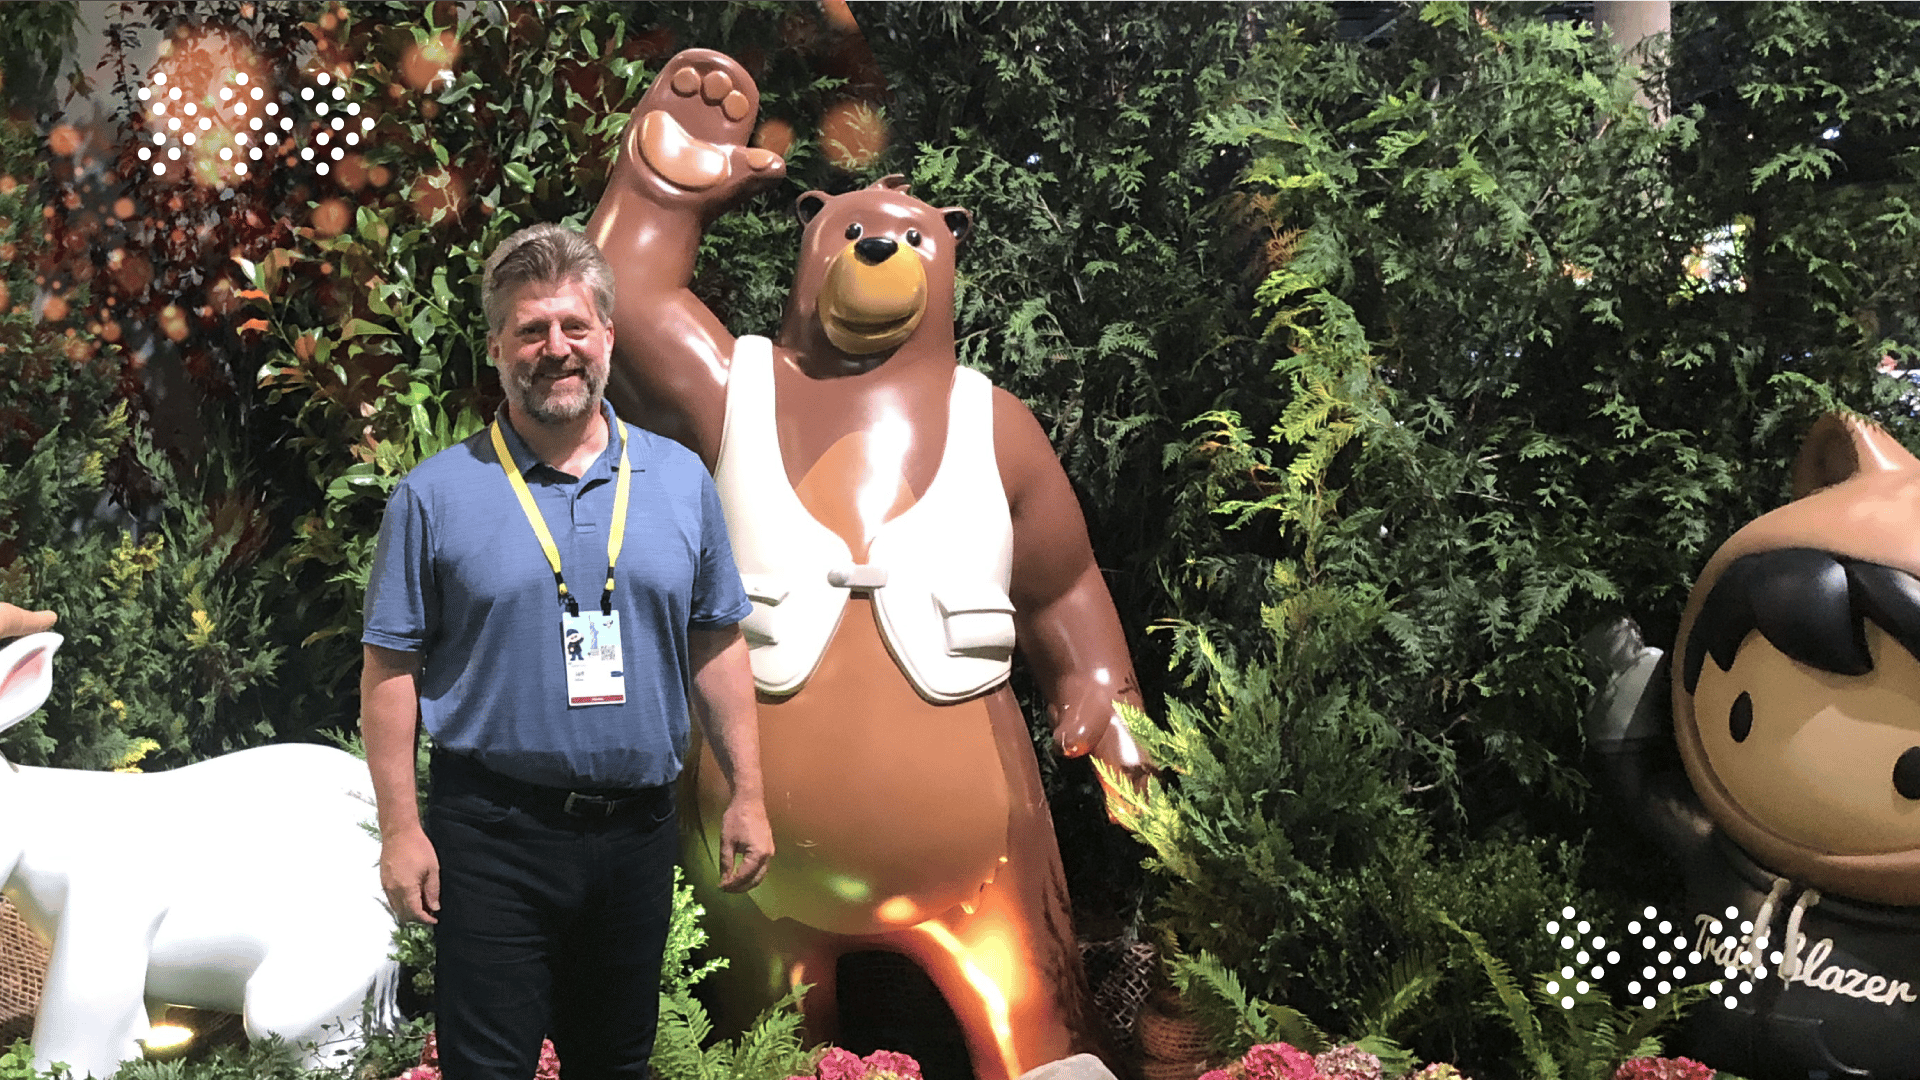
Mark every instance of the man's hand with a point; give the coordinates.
(746, 844)
(410, 875)
(19, 622)
(723, 704)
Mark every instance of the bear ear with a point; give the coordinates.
(1840, 447)
(810, 204)
(959, 222)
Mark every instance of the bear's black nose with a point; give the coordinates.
(875, 249)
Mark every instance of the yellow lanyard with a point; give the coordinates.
(622, 489)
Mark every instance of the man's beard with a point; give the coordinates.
(552, 407)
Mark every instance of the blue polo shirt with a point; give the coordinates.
(460, 578)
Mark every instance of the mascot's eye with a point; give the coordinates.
(1906, 774)
(913, 237)
(1740, 719)
(853, 231)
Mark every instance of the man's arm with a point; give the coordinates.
(723, 687)
(389, 712)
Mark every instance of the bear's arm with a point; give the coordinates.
(670, 352)
(1066, 624)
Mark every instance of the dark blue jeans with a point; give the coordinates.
(551, 925)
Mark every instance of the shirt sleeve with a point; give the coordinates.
(719, 600)
(399, 612)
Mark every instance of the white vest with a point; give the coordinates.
(938, 573)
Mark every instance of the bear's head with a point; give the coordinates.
(876, 267)
(1796, 699)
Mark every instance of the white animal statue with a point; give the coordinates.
(247, 883)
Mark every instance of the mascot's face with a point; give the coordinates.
(875, 262)
(1796, 688)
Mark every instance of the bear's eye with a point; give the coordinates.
(853, 231)
(1740, 718)
(913, 237)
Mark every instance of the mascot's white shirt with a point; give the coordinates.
(938, 573)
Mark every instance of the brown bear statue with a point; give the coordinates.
(899, 524)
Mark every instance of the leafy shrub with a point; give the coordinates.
(169, 648)
(1512, 398)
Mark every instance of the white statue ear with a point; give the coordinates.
(26, 676)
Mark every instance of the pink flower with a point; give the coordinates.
(1216, 1074)
(890, 1065)
(1347, 1063)
(840, 1064)
(429, 1067)
(1278, 1061)
(1660, 1068)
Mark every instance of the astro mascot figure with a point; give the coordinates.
(1796, 710)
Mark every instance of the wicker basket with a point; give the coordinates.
(1169, 1033)
(1121, 973)
(23, 970)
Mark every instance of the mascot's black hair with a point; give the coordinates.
(1809, 604)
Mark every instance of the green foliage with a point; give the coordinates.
(413, 950)
(1515, 395)
(1234, 1021)
(382, 1055)
(1286, 852)
(165, 626)
(169, 647)
(684, 1048)
(1583, 1035)
(16, 1063)
(1237, 1022)
(35, 41)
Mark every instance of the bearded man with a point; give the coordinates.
(557, 696)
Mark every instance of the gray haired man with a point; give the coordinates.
(543, 598)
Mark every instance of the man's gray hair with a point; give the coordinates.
(546, 253)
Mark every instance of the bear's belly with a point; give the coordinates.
(887, 810)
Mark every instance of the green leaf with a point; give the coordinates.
(357, 328)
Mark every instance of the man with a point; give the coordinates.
(547, 853)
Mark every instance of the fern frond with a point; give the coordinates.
(1395, 1060)
(773, 1047)
(1517, 1010)
(1235, 1021)
(683, 1028)
(1218, 999)
(1289, 1025)
(1637, 1038)
(1407, 983)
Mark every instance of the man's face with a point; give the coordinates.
(553, 351)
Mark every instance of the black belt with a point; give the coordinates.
(464, 772)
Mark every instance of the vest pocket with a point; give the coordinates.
(978, 619)
(766, 592)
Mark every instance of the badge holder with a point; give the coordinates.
(590, 643)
